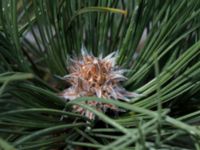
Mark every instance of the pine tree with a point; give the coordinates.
(155, 69)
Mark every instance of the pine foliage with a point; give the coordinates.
(158, 42)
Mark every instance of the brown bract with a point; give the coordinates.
(95, 77)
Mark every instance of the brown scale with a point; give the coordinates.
(90, 76)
